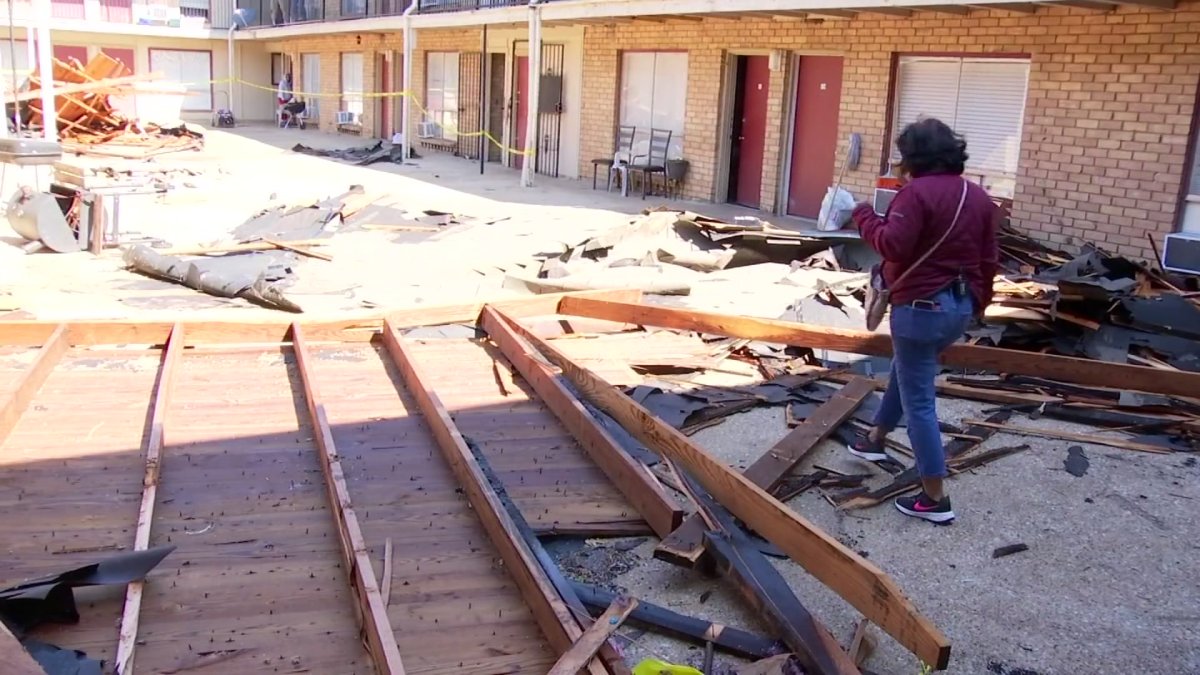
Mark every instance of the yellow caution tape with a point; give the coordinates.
(379, 95)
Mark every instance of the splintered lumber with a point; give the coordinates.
(33, 333)
(1070, 436)
(549, 610)
(264, 245)
(294, 248)
(594, 637)
(629, 476)
(996, 359)
(685, 546)
(697, 631)
(53, 348)
(848, 574)
(370, 608)
(16, 660)
(127, 641)
(910, 479)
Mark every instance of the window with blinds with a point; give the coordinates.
(192, 69)
(982, 99)
(352, 83)
(441, 92)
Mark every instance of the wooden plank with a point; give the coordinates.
(16, 660)
(33, 333)
(298, 249)
(372, 611)
(697, 631)
(1065, 368)
(1122, 443)
(629, 476)
(553, 617)
(685, 546)
(161, 401)
(265, 245)
(54, 345)
(859, 582)
(386, 591)
(580, 653)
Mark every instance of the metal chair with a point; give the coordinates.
(656, 160)
(624, 144)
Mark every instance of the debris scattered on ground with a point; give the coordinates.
(358, 156)
(1076, 462)
(1008, 550)
(222, 282)
(89, 124)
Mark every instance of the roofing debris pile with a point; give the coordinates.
(89, 123)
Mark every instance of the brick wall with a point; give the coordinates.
(1109, 108)
(448, 40)
(331, 47)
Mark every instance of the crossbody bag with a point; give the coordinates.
(879, 296)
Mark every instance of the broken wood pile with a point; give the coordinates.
(251, 268)
(465, 489)
(663, 252)
(87, 121)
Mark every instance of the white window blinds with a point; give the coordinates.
(193, 69)
(982, 99)
(654, 95)
(441, 92)
(352, 83)
(310, 78)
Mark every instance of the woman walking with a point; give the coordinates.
(938, 244)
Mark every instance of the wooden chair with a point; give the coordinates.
(656, 160)
(624, 144)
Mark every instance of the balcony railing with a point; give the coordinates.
(274, 13)
(432, 6)
(187, 14)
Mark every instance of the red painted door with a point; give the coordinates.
(385, 102)
(815, 142)
(522, 94)
(752, 141)
(123, 55)
(66, 52)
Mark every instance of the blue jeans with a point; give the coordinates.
(919, 334)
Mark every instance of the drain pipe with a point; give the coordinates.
(46, 73)
(534, 84)
(410, 37)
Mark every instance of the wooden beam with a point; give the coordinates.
(580, 653)
(16, 660)
(889, 11)
(1064, 368)
(161, 401)
(851, 576)
(369, 605)
(685, 546)
(272, 331)
(838, 14)
(628, 475)
(1123, 443)
(668, 622)
(959, 10)
(1089, 5)
(1152, 4)
(1015, 7)
(552, 614)
(54, 345)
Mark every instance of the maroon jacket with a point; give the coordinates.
(916, 219)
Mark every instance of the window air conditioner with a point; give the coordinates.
(428, 130)
(347, 117)
(1181, 252)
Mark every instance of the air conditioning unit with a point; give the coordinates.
(1181, 252)
(428, 130)
(347, 117)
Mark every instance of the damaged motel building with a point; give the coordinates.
(1080, 112)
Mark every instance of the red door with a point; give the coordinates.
(66, 52)
(752, 139)
(125, 56)
(522, 94)
(385, 102)
(814, 145)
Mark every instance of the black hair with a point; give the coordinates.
(930, 146)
